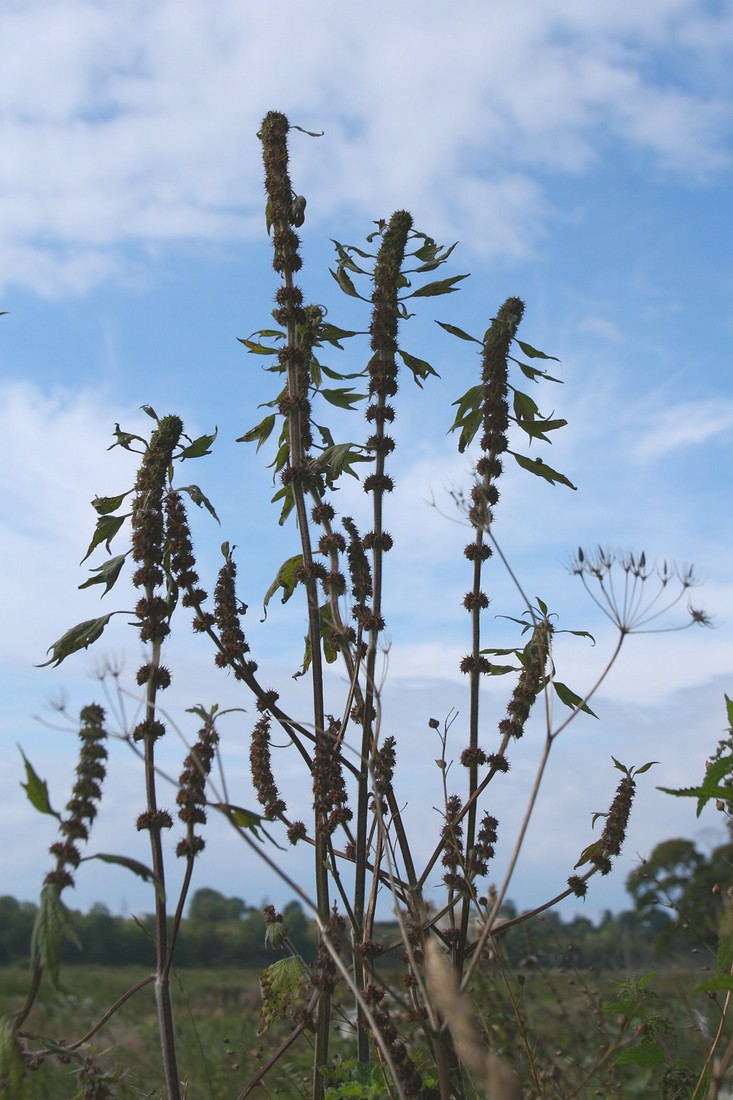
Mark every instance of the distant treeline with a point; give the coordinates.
(226, 932)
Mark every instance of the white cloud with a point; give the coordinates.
(134, 124)
(686, 425)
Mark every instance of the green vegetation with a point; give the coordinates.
(463, 997)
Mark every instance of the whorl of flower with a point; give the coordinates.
(495, 410)
(578, 885)
(148, 530)
(85, 795)
(191, 797)
(260, 763)
(530, 682)
(330, 800)
(233, 644)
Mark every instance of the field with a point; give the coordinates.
(575, 1025)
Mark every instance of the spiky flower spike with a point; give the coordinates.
(191, 797)
(87, 792)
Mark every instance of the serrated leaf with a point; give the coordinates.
(107, 573)
(36, 789)
(77, 637)
(570, 699)
(533, 353)
(541, 469)
(285, 579)
(441, 286)
(261, 432)
(346, 284)
(245, 819)
(105, 530)
(140, 869)
(645, 767)
(419, 367)
(282, 986)
(200, 446)
(647, 1054)
(255, 348)
(104, 505)
(199, 499)
(342, 398)
(52, 921)
(124, 439)
(455, 331)
(534, 373)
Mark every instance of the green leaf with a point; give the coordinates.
(36, 789)
(534, 373)
(441, 286)
(729, 711)
(346, 284)
(104, 505)
(454, 331)
(285, 579)
(647, 1054)
(570, 699)
(200, 446)
(124, 439)
(326, 626)
(140, 869)
(282, 985)
(419, 367)
(286, 496)
(106, 529)
(337, 460)
(332, 334)
(261, 432)
(645, 767)
(345, 398)
(257, 349)
(150, 411)
(244, 819)
(78, 637)
(541, 469)
(532, 353)
(107, 573)
(51, 923)
(711, 787)
(199, 499)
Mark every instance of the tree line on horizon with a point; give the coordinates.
(676, 894)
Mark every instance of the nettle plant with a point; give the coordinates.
(414, 1034)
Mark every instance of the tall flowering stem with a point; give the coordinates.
(484, 497)
(153, 610)
(298, 477)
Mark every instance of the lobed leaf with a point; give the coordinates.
(105, 530)
(200, 446)
(77, 637)
(441, 286)
(541, 469)
(103, 505)
(199, 499)
(285, 579)
(107, 573)
(36, 789)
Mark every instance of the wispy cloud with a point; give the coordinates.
(125, 126)
(686, 425)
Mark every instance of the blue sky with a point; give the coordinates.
(583, 161)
